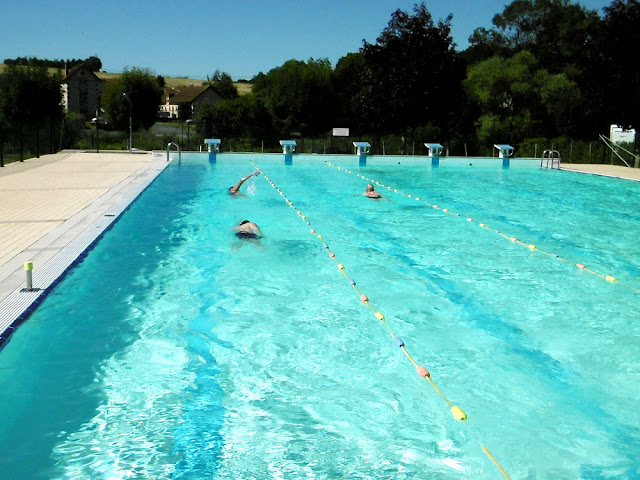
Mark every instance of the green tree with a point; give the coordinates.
(204, 121)
(185, 112)
(563, 103)
(412, 75)
(564, 39)
(73, 127)
(347, 80)
(29, 94)
(518, 99)
(298, 95)
(28, 97)
(253, 117)
(93, 63)
(141, 87)
(559, 33)
(619, 69)
(223, 84)
(227, 120)
(484, 44)
(245, 116)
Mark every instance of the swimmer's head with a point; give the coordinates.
(243, 222)
(370, 187)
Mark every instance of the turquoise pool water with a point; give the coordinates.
(175, 350)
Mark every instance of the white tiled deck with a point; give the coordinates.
(52, 208)
(604, 170)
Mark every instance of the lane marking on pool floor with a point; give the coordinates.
(530, 246)
(456, 411)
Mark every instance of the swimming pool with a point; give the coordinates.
(175, 350)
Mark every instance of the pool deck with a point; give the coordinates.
(53, 208)
(604, 170)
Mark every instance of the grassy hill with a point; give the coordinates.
(175, 82)
(171, 82)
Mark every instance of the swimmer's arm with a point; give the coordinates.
(237, 186)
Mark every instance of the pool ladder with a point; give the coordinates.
(550, 159)
(177, 147)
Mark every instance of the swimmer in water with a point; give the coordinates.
(236, 188)
(371, 192)
(247, 230)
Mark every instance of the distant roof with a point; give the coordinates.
(76, 69)
(186, 94)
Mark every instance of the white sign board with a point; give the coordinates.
(620, 135)
(340, 132)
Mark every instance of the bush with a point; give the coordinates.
(73, 127)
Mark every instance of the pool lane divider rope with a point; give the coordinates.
(530, 246)
(456, 411)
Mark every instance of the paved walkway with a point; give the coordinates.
(46, 202)
(605, 170)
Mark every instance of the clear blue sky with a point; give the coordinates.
(195, 37)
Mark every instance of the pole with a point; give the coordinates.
(28, 268)
(61, 132)
(97, 137)
(126, 97)
(571, 151)
(21, 144)
(52, 132)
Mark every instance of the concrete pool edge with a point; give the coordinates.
(611, 171)
(57, 252)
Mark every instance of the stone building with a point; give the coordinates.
(81, 91)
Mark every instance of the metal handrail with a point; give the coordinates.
(169, 148)
(550, 155)
(611, 145)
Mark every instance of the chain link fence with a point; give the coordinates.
(22, 142)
